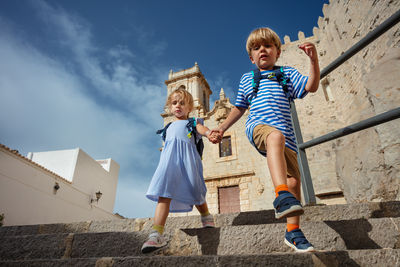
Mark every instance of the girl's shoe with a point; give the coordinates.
(208, 221)
(296, 240)
(154, 242)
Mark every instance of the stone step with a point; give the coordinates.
(312, 213)
(366, 257)
(355, 234)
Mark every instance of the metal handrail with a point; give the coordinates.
(356, 127)
(371, 36)
(306, 181)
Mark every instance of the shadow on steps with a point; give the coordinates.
(207, 238)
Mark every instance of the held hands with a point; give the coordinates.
(214, 136)
(310, 50)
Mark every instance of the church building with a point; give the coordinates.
(236, 176)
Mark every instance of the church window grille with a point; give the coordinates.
(225, 147)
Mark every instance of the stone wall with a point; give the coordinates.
(364, 165)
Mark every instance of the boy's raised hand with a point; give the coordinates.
(310, 50)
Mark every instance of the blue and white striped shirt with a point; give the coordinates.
(271, 106)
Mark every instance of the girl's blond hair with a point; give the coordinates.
(262, 36)
(185, 95)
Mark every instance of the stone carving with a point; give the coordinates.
(260, 188)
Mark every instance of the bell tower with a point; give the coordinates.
(194, 82)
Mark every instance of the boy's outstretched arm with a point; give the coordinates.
(235, 114)
(313, 79)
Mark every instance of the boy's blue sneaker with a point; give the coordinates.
(296, 240)
(286, 205)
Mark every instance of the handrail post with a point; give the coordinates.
(306, 182)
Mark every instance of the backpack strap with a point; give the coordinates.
(191, 126)
(255, 84)
(163, 131)
(283, 80)
(277, 75)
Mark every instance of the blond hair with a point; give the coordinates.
(262, 36)
(185, 96)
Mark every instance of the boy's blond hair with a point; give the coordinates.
(185, 95)
(262, 36)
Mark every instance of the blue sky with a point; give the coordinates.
(91, 74)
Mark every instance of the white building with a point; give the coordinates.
(56, 187)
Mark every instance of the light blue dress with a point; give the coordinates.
(179, 174)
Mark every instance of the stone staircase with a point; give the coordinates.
(365, 234)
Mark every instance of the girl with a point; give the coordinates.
(178, 182)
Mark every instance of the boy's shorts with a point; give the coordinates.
(261, 133)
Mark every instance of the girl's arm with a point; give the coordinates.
(203, 130)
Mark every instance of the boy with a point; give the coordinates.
(269, 126)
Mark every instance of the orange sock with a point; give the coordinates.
(282, 187)
(291, 227)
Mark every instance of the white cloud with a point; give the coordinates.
(119, 82)
(45, 105)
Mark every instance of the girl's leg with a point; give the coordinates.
(203, 209)
(156, 240)
(206, 218)
(161, 214)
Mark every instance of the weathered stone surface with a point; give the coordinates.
(110, 244)
(312, 213)
(260, 239)
(377, 257)
(166, 261)
(50, 263)
(122, 225)
(229, 240)
(79, 227)
(18, 230)
(33, 247)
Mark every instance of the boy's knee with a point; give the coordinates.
(276, 138)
